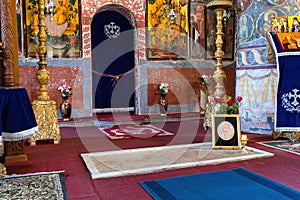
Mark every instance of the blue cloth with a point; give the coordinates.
(287, 111)
(228, 184)
(16, 114)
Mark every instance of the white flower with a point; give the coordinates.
(163, 88)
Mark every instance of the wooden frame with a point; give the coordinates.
(228, 38)
(226, 132)
(63, 31)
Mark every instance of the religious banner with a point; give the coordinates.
(62, 28)
(288, 91)
(167, 23)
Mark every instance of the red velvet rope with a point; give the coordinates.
(115, 78)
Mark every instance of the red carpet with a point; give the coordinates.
(283, 167)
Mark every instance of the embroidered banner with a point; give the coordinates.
(287, 113)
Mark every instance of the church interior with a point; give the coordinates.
(114, 99)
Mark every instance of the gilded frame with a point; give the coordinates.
(63, 33)
(226, 132)
(167, 35)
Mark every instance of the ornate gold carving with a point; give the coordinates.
(219, 4)
(44, 108)
(2, 171)
(46, 117)
(43, 76)
(286, 134)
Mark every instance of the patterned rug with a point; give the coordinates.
(133, 131)
(46, 185)
(285, 145)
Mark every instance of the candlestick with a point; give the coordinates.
(244, 139)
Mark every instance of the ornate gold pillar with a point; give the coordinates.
(44, 108)
(219, 75)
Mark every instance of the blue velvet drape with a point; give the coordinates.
(112, 61)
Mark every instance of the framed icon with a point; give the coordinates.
(226, 131)
(62, 27)
(167, 29)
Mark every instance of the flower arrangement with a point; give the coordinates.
(204, 80)
(65, 90)
(225, 104)
(163, 88)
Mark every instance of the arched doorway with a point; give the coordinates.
(113, 60)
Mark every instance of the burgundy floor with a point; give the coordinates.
(283, 167)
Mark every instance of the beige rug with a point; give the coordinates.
(147, 160)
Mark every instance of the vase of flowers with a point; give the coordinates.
(65, 106)
(225, 104)
(163, 103)
(204, 82)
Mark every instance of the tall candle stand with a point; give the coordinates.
(219, 75)
(44, 108)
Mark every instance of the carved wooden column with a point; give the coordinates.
(9, 39)
(9, 62)
(44, 108)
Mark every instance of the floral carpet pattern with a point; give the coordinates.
(133, 131)
(46, 185)
(285, 145)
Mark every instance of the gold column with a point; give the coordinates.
(219, 75)
(44, 108)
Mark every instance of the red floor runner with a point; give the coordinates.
(283, 167)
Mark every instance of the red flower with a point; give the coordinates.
(230, 102)
(239, 98)
(219, 100)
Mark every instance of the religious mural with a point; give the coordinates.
(62, 28)
(167, 23)
(256, 76)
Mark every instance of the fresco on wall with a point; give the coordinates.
(62, 28)
(256, 77)
(167, 23)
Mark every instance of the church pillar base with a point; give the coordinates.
(46, 117)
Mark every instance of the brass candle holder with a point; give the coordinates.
(219, 75)
(244, 140)
(44, 108)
